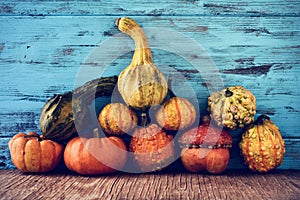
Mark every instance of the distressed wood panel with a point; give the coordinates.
(166, 185)
(43, 47)
(49, 53)
(152, 7)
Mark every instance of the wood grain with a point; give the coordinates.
(241, 58)
(165, 185)
(45, 45)
(152, 8)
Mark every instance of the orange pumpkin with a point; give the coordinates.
(206, 148)
(93, 156)
(30, 153)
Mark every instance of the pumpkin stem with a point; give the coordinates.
(206, 120)
(96, 133)
(34, 136)
(170, 88)
(228, 93)
(260, 119)
(144, 119)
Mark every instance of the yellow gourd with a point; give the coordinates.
(262, 145)
(141, 84)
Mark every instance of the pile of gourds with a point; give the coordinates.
(143, 86)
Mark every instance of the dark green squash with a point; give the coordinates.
(58, 114)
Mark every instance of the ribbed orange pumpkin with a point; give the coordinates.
(30, 153)
(176, 113)
(93, 156)
(141, 84)
(117, 119)
(262, 145)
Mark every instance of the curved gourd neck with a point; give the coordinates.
(142, 53)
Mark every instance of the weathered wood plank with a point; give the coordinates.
(40, 57)
(165, 185)
(152, 8)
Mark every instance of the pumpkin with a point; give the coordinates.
(117, 119)
(30, 153)
(176, 113)
(262, 145)
(205, 148)
(152, 148)
(58, 115)
(233, 107)
(94, 156)
(141, 84)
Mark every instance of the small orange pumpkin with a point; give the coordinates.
(30, 153)
(94, 156)
(117, 119)
(176, 113)
(206, 148)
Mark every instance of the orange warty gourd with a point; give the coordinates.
(94, 156)
(262, 145)
(141, 84)
(152, 148)
(30, 153)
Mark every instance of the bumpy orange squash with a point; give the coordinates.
(152, 148)
(262, 145)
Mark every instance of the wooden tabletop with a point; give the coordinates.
(232, 184)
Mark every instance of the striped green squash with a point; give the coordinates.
(58, 114)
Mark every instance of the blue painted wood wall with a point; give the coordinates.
(256, 44)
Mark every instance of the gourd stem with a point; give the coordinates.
(260, 119)
(228, 93)
(96, 133)
(170, 88)
(144, 119)
(206, 120)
